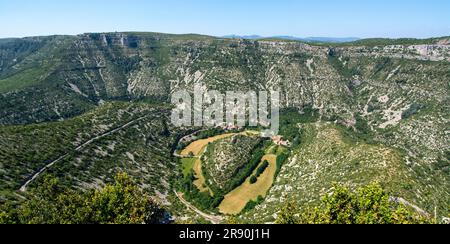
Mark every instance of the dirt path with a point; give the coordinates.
(212, 218)
(23, 188)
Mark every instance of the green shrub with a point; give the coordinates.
(119, 203)
(262, 168)
(369, 205)
(247, 170)
(281, 159)
(413, 109)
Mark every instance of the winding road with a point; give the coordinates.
(212, 218)
(23, 188)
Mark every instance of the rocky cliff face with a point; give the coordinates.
(85, 70)
(381, 85)
(396, 92)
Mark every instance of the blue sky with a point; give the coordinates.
(333, 18)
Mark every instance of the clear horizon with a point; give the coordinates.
(326, 18)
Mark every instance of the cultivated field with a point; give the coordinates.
(236, 200)
(187, 165)
(197, 147)
(200, 183)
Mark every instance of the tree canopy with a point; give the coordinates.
(368, 205)
(121, 202)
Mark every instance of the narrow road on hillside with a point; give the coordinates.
(212, 218)
(186, 139)
(23, 188)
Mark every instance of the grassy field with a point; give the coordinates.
(194, 165)
(187, 165)
(236, 200)
(200, 183)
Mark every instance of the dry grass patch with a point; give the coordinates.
(236, 200)
(197, 147)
